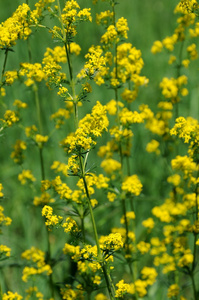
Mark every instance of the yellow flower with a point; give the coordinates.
(110, 165)
(10, 117)
(41, 139)
(149, 274)
(132, 185)
(143, 247)
(157, 47)
(1, 188)
(4, 251)
(17, 154)
(11, 296)
(148, 223)
(26, 175)
(152, 146)
(173, 290)
(113, 241)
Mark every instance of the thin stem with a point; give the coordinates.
(38, 108)
(49, 261)
(2, 74)
(29, 51)
(4, 66)
(65, 41)
(108, 280)
(83, 228)
(194, 286)
(42, 163)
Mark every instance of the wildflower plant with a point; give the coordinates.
(78, 189)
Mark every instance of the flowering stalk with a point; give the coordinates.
(124, 208)
(107, 277)
(72, 83)
(38, 109)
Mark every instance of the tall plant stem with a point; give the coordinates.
(124, 209)
(72, 82)
(49, 261)
(2, 74)
(4, 66)
(107, 277)
(38, 110)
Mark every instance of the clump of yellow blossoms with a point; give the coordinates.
(112, 242)
(89, 128)
(10, 295)
(26, 176)
(17, 154)
(132, 185)
(51, 219)
(37, 257)
(16, 27)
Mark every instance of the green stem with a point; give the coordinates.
(38, 110)
(83, 228)
(49, 261)
(108, 280)
(66, 44)
(42, 163)
(4, 66)
(194, 286)
(29, 51)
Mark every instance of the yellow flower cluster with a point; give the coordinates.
(1, 188)
(70, 225)
(61, 188)
(26, 176)
(185, 164)
(95, 66)
(51, 219)
(40, 140)
(10, 77)
(104, 17)
(60, 116)
(10, 117)
(89, 128)
(139, 286)
(171, 88)
(33, 73)
(45, 198)
(130, 215)
(15, 27)
(132, 185)
(128, 117)
(4, 221)
(153, 146)
(130, 64)
(110, 165)
(4, 251)
(19, 104)
(114, 33)
(68, 292)
(112, 107)
(51, 65)
(187, 129)
(11, 296)
(60, 167)
(72, 14)
(111, 242)
(37, 257)
(33, 291)
(17, 154)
